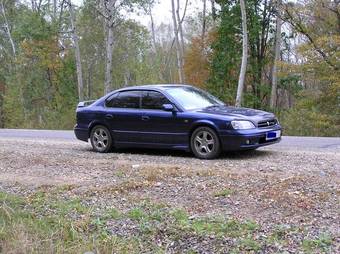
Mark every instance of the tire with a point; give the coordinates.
(205, 143)
(101, 139)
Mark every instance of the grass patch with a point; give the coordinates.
(249, 244)
(322, 243)
(136, 214)
(41, 224)
(47, 223)
(223, 193)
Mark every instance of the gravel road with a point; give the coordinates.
(288, 142)
(294, 183)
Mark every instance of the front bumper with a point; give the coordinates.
(235, 140)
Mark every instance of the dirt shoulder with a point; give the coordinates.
(295, 189)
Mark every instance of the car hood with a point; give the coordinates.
(238, 113)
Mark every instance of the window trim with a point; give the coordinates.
(118, 92)
(164, 93)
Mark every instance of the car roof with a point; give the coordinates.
(154, 86)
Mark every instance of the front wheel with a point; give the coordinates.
(205, 143)
(101, 140)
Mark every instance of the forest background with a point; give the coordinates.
(55, 53)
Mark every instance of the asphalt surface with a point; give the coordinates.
(287, 142)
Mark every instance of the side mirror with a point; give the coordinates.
(168, 107)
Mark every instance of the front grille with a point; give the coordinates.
(267, 123)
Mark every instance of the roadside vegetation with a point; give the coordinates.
(45, 222)
(54, 53)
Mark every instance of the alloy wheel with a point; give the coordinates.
(204, 142)
(101, 139)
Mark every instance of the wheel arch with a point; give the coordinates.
(96, 123)
(203, 123)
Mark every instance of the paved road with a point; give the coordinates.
(287, 141)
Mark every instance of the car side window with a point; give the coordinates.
(125, 99)
(111, 100)
(153, 100)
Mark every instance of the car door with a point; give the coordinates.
(123, 116)
(160, 127)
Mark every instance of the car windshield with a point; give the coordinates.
(192, 98)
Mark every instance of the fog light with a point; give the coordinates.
(247, 141)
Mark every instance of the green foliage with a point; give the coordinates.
(291, 83)
(227, 51)
(41, 84)
(321, 243)
(46, 221)
(311, 116)
(223, 193)
(38, 86)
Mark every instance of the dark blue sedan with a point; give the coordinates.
(173, 117)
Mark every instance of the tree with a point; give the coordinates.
(178, 44)
(147, 7)
(204, 19)
(242, 76)
(273, 96)
(227, 52)
(77, 53)
(7, 27)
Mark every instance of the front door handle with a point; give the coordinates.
(108, 116)
(145, 118)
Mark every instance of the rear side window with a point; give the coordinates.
(153, 100)
(126, 99)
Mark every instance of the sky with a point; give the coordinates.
(162, 11)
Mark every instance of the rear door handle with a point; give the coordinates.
(145, 118)
(108, 116)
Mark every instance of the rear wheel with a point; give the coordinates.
(205, 143)
(101, 140)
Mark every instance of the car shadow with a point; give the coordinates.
(237, 155)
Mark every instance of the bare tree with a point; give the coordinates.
(152, 28)
(8, 31)
(273, 97)
(179, 37)
(296, 19)
(213, 11)
(180, 31)
(178, 46)
(147, 7)
(242, 76)
(204, 19)
(108, 66)
(77, 53)
(109, 10)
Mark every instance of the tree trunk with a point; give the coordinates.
(181, 41)
(152, 28)
(242, 76)
(54, 9)
(213, 11)
(180, 29)
(273, 97)
(77, 54)
(203, 20)
(178, 47)
(7, 28)
(109, 51)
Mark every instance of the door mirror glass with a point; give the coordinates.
(168, 107)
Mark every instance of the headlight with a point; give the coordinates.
(242, 125)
